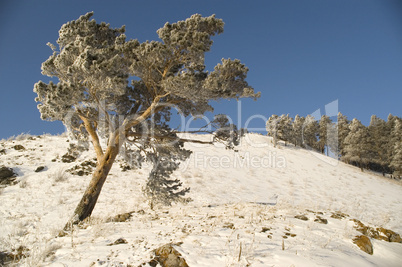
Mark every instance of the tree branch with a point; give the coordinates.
(94, 137)
(131, 122)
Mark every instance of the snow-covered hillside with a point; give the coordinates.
(242, 214)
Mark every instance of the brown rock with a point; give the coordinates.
(377, 233)
(319, 219)
(265, 229)
(389, 235)
(7, 176)
(19, 147)
(364, 243)
(40, 168)
(301, 217)
(118, 242)
(67, 158)
(120, 217)
(6, 258)
(228, 225)
(168, 256)
(339, 215)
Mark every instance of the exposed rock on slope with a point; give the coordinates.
(7, 176)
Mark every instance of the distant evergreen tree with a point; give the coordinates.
(379, 133)
(396, 161)
(297, 129)
(357, 145)
(396, 140)
(324, 127)
(272, 128)
(377, 147)
(343, 131)
(332, 139)
(390, 124)
(391, 121)
(285, 128)
(310, 133)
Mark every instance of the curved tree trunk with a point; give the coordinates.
(90, 197)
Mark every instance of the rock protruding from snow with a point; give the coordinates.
(364, 243)
(118, 242)
(40, 168)
(19, 147)
(168, 256)
(7, 176)
(379, 233)
(120, 217)
(302, 217)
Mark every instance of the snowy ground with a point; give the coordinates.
(242, 214)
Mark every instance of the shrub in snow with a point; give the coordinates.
(59, 176)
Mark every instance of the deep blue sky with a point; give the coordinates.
(302, 55)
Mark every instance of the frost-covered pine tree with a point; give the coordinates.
(226, 132)
(271, 126)
(390, 126)
(324, 127)
(285, 128)
(396, 157)
(124, 90)
(297, 128)
(343, 131)
(358, 145)
(396, 161)
(310, 132)
(380, 136)
(161, 188)
(332, 140)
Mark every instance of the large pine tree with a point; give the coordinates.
(103, 81)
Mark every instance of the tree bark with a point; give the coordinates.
(90, 197)
(105, 163)
(94, 138)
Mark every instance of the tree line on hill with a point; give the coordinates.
(377, 147)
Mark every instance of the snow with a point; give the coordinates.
(242, 214)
